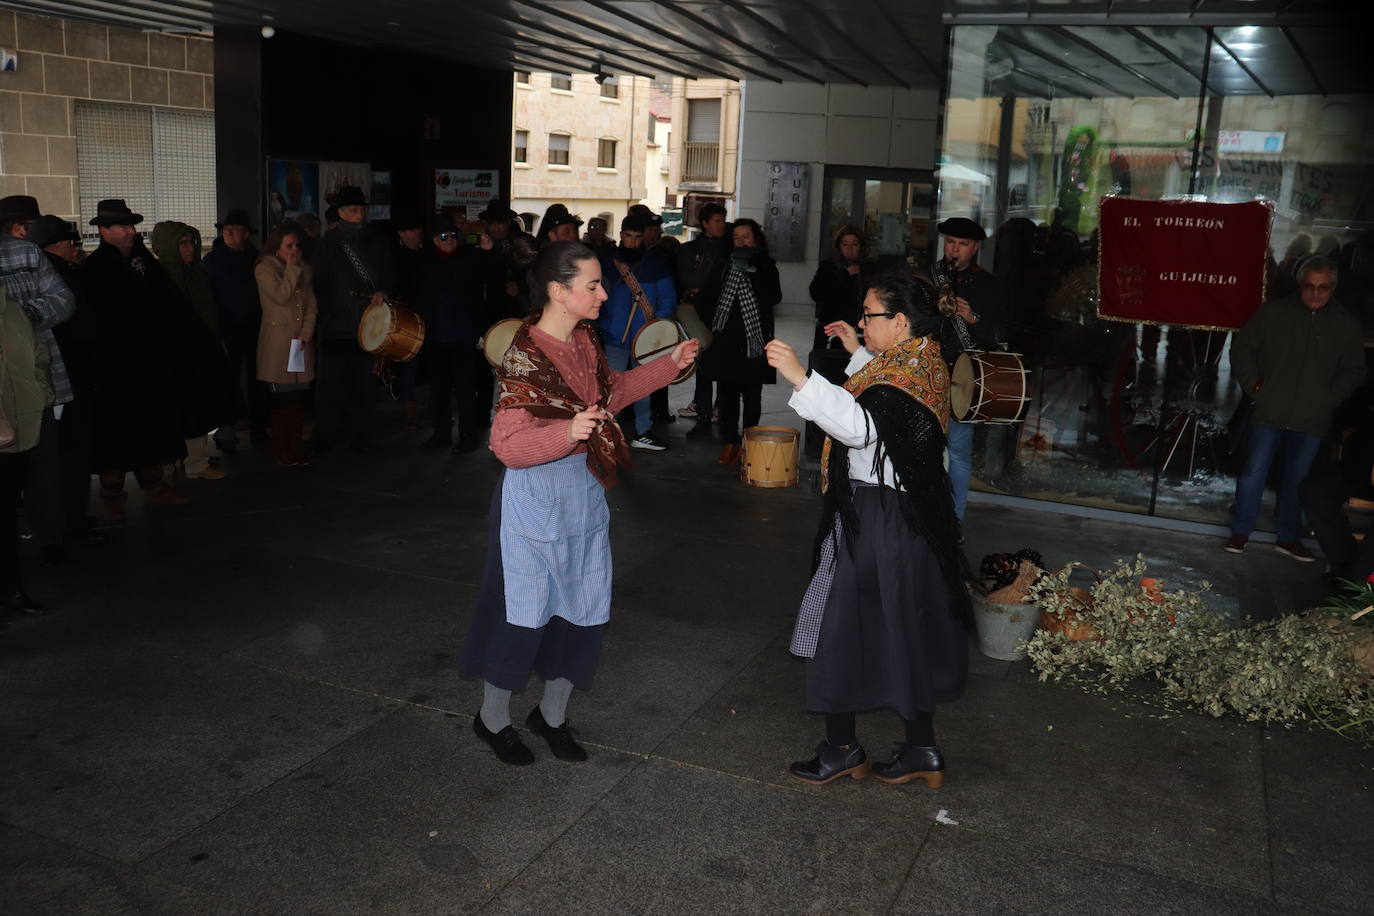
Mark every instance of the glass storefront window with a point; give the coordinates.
(1041, 122)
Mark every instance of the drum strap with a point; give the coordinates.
(357, 262)
(641, 299)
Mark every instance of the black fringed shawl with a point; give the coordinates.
(910, 436)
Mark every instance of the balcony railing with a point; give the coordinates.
(700, 161)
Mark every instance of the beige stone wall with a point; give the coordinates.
(587, 118)
(61, 60)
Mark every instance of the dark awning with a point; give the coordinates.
(1298, 46)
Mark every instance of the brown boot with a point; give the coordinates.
(278, 425)
(112, 495)
(295, 425)
(156, 490)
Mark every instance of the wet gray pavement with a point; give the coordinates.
(250, 704)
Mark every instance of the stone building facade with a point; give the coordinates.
(576, 144)
(61, 62)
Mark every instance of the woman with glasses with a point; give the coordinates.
(883, 623)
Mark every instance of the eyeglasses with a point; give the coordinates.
(869, 316)
(446, 236)
(1317, 288)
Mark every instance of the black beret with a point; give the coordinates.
(960, 227)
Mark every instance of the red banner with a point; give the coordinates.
(1189, 264)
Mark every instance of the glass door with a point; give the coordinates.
(891, 207)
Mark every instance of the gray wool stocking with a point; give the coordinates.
(554, 705)
(495, 707)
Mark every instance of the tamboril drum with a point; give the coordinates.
(988, 386)
(770, 456)
(656, 340)
(391, 331)
(498, 339)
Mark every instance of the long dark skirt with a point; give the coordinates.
(506, 655)
(889, 639)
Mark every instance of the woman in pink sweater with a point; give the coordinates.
(546, 588)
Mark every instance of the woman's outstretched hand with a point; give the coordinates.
(784, 359)
(844, 331)
(685, 353)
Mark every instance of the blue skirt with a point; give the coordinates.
(504, 654)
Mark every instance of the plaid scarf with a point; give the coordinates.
(915, 368)
(739, 290)
(529, 379)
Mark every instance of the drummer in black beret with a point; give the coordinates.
(973, 326)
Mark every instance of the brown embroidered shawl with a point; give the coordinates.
(529, 379)
(913, 367)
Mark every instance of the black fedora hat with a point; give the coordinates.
(959, 227)
(557, 215)
(497, 210)
(442, 222)
(651, 218)
(236, 218)
(114, 212)
(350, 196)
(18, 208)
(49, 229)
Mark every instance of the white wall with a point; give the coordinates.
(835, 124)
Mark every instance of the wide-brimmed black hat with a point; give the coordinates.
(236, 218)
(350, 196)
(959, 227)
(18, 208)
(114, 212)
(496, 209)
(49, 229)
(557, 215)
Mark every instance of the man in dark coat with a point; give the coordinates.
(77, 339)
(354, 266)
(697, 261)
(230, 265)
(1299, 358)
(136, 407)
(972, 327)
(450, 299)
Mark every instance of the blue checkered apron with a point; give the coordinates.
(555, 544)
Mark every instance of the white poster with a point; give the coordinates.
(471, 188)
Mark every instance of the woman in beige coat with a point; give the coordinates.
(288, 314)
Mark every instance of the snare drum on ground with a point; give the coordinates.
(770, 456)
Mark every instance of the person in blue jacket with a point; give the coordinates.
(629, 274)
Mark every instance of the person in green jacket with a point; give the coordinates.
(1299, 359)
(25, 393)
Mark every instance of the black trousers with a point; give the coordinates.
(250, 395)
(1323, 495)
(13, 467)
(453, 381)
(729, 395)
(42, 485)
(344, 390)
(76, 437)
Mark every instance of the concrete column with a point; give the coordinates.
(238, 120)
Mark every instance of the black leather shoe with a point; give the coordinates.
(831, 762)
(913, 762)
(506, 743)
(700, 430)
(21, 603)
(560, 739)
